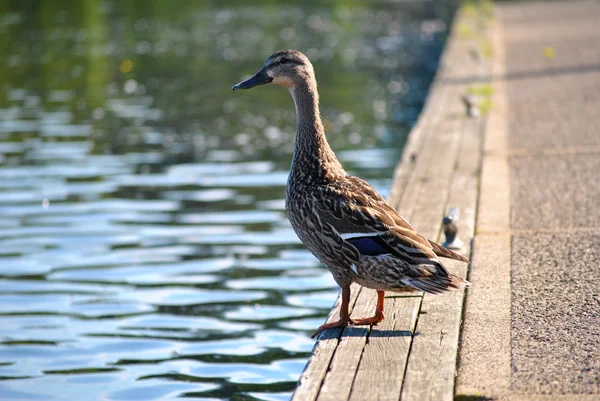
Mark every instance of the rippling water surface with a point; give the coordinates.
(144, 249)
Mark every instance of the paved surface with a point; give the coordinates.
(556, 318)
(553, 88)
(551, 91)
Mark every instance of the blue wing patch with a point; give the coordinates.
(369, 245)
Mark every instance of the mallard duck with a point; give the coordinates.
(340, 218)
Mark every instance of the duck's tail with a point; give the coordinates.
(436, 283)
(447, 253)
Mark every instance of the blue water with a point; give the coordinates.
(144, 249)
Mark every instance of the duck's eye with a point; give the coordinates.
(283, 61)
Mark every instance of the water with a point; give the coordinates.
(144, 249)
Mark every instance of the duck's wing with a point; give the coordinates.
(363, 218)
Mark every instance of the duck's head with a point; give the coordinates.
(287, 68)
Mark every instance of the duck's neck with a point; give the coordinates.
(313, 158)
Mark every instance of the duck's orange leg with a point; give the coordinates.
(344, 315)
(378, 312)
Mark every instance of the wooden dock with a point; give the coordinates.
(412, 354)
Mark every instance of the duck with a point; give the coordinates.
(341, 219)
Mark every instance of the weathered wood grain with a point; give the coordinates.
(435, 181)
(431, 365)
(430, 368)
(407, 202)
(381, 370)
(414, 144)
(343, 367)
(314, 373)
(435, 103)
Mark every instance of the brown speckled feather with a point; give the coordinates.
(352, 205)
(341, 219)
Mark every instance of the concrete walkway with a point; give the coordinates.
(532, 317)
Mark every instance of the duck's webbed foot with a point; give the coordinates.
(378, 317)
(332, 325)
(344, 315)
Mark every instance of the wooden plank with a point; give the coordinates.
(339, 378)
(410, 178)
(382, 365)
(314, 373)
(431, 365)
(435, 182)
(415, 143)
(430, 368)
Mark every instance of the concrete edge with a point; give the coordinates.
(484, 360)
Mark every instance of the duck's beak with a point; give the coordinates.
(260, 78)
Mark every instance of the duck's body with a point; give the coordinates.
(340, 218)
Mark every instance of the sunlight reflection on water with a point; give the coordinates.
(144, 248)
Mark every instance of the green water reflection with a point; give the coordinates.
(144, 249)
